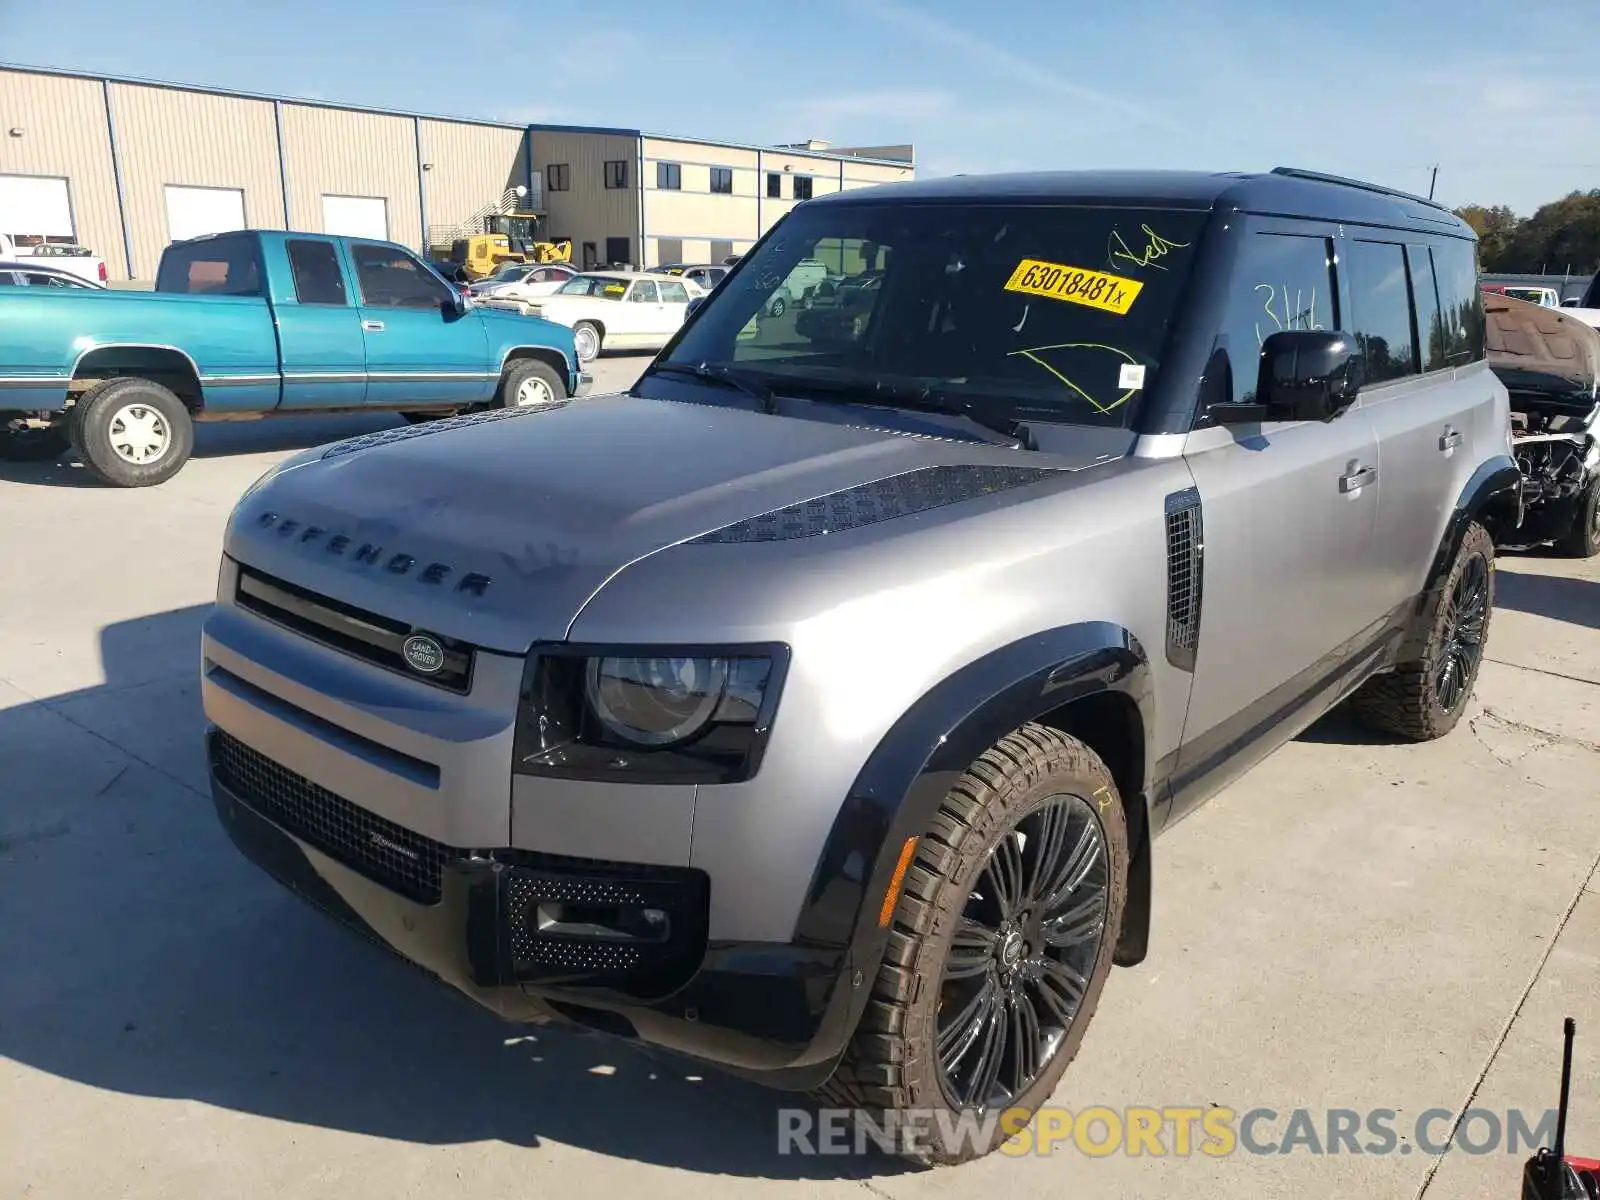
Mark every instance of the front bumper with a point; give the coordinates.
(478, 920)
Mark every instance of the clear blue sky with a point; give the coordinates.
(1504, 97)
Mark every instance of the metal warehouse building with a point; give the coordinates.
(124, 166)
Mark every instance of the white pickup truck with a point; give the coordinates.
(76, 260)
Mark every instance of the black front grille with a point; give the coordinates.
(1184, 549)
(384, 852)
(355, 631)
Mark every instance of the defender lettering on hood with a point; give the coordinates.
(398, 563)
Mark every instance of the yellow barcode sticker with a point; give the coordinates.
(1076, 285)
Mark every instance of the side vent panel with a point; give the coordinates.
(1185, 555)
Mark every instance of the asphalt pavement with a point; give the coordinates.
(1356, 925)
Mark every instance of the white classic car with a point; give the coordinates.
(618, 310)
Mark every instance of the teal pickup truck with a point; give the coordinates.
(253, 324)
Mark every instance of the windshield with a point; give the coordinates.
(604, 286)
(1059, 312)
(510, 273)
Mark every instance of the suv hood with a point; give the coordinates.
(547, 506)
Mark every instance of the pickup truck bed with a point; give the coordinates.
(257, 323)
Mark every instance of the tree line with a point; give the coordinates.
(1560, 237)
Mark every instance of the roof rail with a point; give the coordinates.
(1320, 177)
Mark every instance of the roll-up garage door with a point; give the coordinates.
(35, 208)
(196, 211)
(356, 216)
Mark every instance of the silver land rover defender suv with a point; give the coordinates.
(811, 708)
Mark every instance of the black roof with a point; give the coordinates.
(1285, 191)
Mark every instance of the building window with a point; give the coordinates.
(722, 181)
(669, 176)
(617, 251)
(617, 173)
(802, 187)
(774, 185)
(557, 177)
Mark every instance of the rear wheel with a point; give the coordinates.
(586, 338)
(1583, 539)
(1423, 700)
(1000, 945)
(22, 440)
(132, 432)
(530, 383)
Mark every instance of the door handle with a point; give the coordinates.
(1356, 480)
(1449, 440)
(372, 326)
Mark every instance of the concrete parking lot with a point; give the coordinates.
(1356, 925)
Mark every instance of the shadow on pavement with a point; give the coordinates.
(1561, 598)
(147, 957)
(221, 439)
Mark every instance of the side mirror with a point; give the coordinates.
(459, 303)
(1305, 375)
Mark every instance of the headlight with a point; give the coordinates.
(691, 715)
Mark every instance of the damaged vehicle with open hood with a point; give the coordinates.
(1550, 364)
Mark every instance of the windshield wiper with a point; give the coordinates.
(921, 398)
(723, 374)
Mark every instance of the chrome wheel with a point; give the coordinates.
(534, 391)
(586, 341)
(1023, 953)
(138, 434)
(1467, 622)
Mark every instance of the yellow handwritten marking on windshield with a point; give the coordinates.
(1076, 285)
(1032, 355)
(1156, 247)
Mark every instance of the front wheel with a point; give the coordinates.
(22, 441)
(529, 383)
(1583, 539)
(999, 946)
(586, 340)
(132, 432)
(778, 306)
(1423, 700)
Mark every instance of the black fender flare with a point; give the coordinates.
(903, 782)
(1493, 497)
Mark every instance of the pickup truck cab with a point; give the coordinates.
(251, 324)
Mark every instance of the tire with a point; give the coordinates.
(1419, 701)
(132, 432)
(23, 444)
(530, 383)
(777, 307)
(1583, 539)
(892, 1070)
(587, 339)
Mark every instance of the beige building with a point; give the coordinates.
(125, 166)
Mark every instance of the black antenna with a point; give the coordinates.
(1570, 1030)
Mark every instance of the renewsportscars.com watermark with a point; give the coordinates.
(1170, 1131)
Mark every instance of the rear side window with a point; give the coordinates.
(1283, 282)
(1455, 266)
(224, 266)
(1380, 309)
(390, 278)
(317, 278)
(1425, 298)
